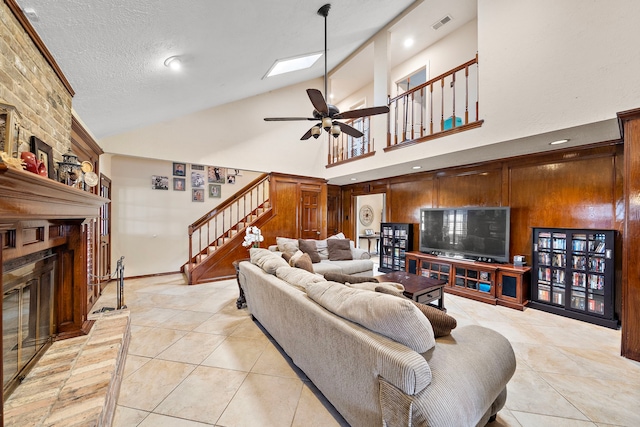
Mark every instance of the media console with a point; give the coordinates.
(497, 284)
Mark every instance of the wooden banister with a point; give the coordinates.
(423, 112)
(222, 223)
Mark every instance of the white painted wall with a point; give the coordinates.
(376, 201)
(149, 227)
(234, 134)
(551, 64)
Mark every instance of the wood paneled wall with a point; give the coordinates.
(631, 248)
(286, 197)
(575, 188)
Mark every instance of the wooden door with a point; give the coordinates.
(311, 214)
(104, 228)
(334, 207)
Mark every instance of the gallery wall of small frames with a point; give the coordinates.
(204, 181)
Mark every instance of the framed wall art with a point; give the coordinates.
(179, 169)
(159, 182)
(197, 167)
(197, 195)
(197, 179)
(44, 153)
(179, 184)
(215, 175)
(215, 190)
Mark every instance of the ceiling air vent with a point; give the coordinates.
(441, 22)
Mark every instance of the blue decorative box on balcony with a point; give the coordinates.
(448, 124)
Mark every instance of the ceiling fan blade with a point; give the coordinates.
(287, 119)
(349, 130)
(318, 101)
(362, 112)
(306, 135)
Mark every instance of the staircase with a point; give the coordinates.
(215, 239)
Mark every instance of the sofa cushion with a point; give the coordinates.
(392, 317)
(372, 286)
(347, 267)
(441, 322)
(266, 260)
(309, 247)
(304, 262)
(323, 249)
(287, 245)
(339, 250)
(298, 277)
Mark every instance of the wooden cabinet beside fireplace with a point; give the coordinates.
(497, 284)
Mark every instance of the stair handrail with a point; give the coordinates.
(222, 206)
(227, 224)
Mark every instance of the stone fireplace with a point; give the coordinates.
(46, 230)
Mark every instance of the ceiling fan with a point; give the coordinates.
(328, 114)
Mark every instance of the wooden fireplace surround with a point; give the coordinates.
(38, 213)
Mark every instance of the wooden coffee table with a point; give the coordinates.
(419, 288)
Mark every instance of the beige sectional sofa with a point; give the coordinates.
(360, 264)
(372, 355)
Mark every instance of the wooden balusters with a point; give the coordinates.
(412, 109)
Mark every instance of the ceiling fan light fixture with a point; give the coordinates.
(316, 131)
(326, 123)
(335, 131)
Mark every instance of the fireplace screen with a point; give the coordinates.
(27, 313)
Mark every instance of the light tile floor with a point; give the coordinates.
(196, 360)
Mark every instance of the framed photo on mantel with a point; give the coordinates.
(44, 153)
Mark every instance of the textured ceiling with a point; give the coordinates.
(112, 52)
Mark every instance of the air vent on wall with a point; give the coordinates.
(441, 22)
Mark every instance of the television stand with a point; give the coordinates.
(493, 283)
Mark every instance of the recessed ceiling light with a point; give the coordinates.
(408, 42)
(354, 179)
(331, 95)
(417, 167)
(560, 141)
(173, 62)
(282, 66)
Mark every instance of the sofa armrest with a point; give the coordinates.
(357, 253)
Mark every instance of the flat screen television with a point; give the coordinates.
(477, 233)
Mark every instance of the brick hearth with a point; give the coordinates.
(77, 381)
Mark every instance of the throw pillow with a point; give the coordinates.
(295, 257)
(323, 250)
(287, 256)
(345, 278)
(309, 247)
(304, 262)
(441, 322)
(286, 245)
(395, 318)
(339, 250)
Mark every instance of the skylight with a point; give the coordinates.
(282, 66)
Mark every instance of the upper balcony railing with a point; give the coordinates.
(345, 147)
(443, 105)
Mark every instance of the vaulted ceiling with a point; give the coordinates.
(113, 51)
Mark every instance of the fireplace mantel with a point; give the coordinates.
(39, 214)
(26, 196)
